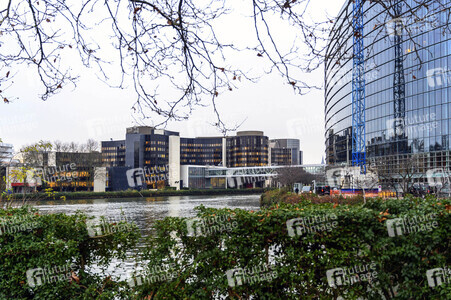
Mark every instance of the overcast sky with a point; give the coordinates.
(94, 110)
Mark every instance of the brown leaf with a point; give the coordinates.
(136, 10)
(170, 22)
(259, 55)
(75, 277)
(48, 20)
(7, 74)
(59, 86)
(5, 100)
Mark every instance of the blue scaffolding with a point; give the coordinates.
(358, 90)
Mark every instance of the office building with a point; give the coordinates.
(407, 86)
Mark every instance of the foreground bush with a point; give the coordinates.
(273, 197)
(298, 251)
(151, 193)
(263, 255)
(51, 256)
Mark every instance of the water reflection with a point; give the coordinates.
(144, 211)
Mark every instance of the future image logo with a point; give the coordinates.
(256, 274)
(35, 277)
(350, 275)
(157, 273)
(395, 27)
(135, 177)
(394, 227)
(210, 225)
(335, 277)
(438, 177)
(401, 26)
(40, 276)
(438, 276)
(107, 226)
(438, 77)
(335, 176)
(311, 224)
(194, 227)
(411, 224)
(15, 224)
(235, 277)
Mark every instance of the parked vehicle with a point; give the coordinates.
(322, 190)
(306, 189)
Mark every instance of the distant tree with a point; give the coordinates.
(85, 157)
(34, 155)
(400, 172)
(288, 176)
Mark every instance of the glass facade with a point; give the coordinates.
(281, 157)
(113, 153)
(201, 151)
(285, 152)
(407, 79)
(247, 150)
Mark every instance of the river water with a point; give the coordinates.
(143, 212)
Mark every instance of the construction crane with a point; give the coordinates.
(358, 90)
(399, 83)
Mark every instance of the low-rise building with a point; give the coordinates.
(158, 158)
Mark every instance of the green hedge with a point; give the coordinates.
(249, 240)
(60, 244)
(183, 260)
(148, 193)
(273, 197)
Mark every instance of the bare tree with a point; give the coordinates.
(288, 176)
(175, 43)
(400, 171)
(60, 146)
(91, 146)
(34, 155)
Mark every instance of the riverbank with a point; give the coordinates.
(155, 193)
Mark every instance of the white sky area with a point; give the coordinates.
(95, 110)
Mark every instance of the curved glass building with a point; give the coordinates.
(407, 83)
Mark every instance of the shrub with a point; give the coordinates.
(150, 193)
(197, 266)
(31, 242)
(270, 198)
